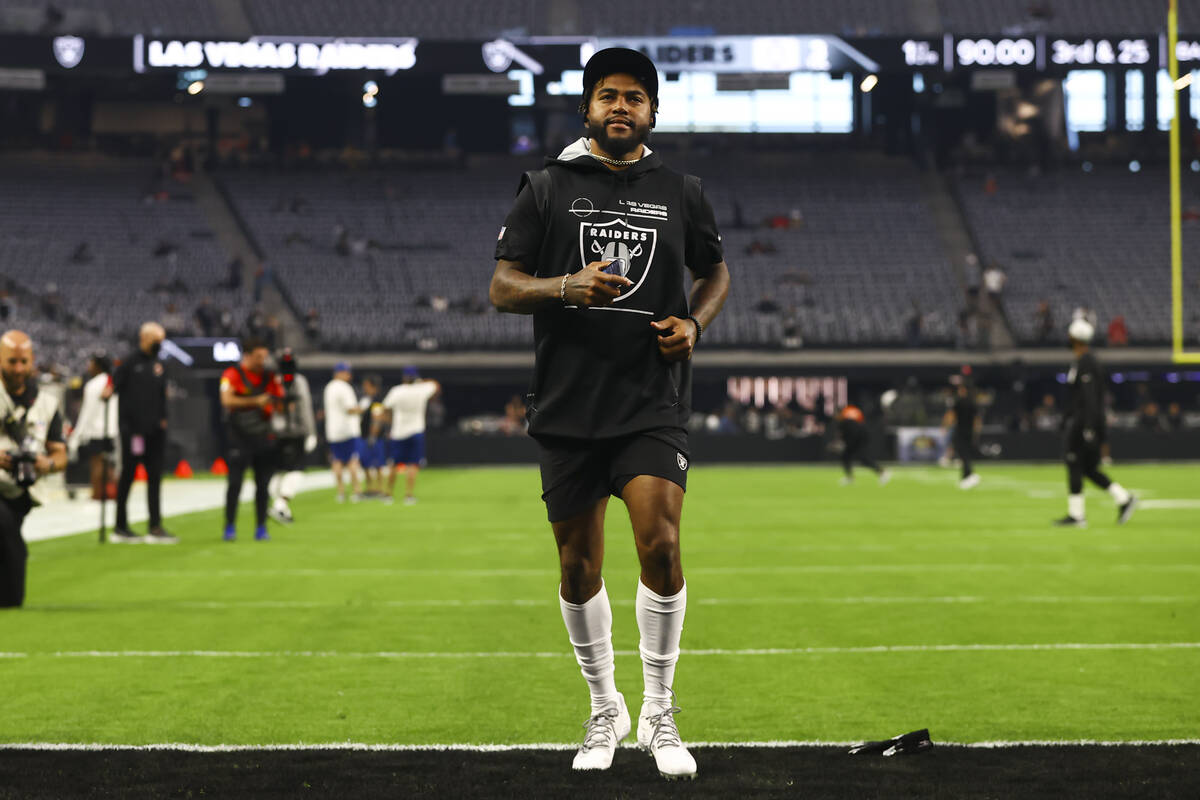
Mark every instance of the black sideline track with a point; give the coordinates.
(1161, 772)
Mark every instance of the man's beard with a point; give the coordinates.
(621, 145)
(13, 384)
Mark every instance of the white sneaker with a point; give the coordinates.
(658, 734)
(605, 730)
(387, 500)
(969, 482)
(410, 501)
(341, 498)
(884, 477)
(845, 481)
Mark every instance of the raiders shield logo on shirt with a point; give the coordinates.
(630, 247)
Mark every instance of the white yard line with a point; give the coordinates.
(562, 654)
(355, 605)
(759, 570)
(1170, 504)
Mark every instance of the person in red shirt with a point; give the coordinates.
(1118, 332)
(250, 393)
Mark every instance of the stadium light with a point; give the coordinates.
(1135, 166)
(869, 83)
(195, 87)
(369, 101)
(1196, 166)
(371, 88)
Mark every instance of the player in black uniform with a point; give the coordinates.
(966, 423)
(1085, 431)
(595, 248)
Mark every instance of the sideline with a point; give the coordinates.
(72, 517)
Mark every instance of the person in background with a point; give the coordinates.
(92, 437)
(406, 404)
(1118, 332)
(343, 430)
(1086, 429)
(31, 447)
(250, 395)
(855, 440)
(374, 454)
(141, 384)
(964, 421)
(296, 428)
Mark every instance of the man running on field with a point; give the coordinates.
(595, 248)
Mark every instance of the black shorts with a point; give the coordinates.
(578, 472)
(95, 447)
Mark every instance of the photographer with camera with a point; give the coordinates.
(250, 394)
(296, 426)
(31, 446)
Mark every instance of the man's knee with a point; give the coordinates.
(658, 547)
(579, 568)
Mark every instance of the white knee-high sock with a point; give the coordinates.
(289, 484)
(660, 622)
(1119, 493)
(589, 626)
(1075, 506)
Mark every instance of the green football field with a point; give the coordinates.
(816, 613)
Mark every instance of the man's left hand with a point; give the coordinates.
(676, 338)
(44, 464)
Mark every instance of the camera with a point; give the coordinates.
(287, 368)
(24, 460)
(24, 464)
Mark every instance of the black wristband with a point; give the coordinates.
(699, 327)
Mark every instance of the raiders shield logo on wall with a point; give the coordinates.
(68, 51)
(629, 247)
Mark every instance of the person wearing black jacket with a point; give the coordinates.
(595, 249)
(1086, 431)
(140, 383)
(964, 416)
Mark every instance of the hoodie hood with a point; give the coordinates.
(577, 155)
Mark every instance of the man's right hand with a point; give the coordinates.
(591, 286)
(262, 400)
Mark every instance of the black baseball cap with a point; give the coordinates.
(621, 61)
